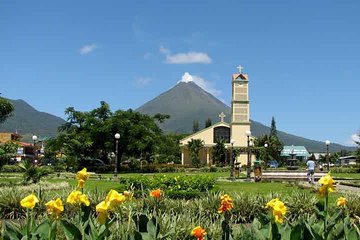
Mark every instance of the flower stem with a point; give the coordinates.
(28, 222)
(326, 211)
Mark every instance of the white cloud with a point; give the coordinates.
(87, 49)
(142, 81)
(147, 56)
(206, 85)
(351, 142)
(185, 58)
(190, 57)
(164, 50)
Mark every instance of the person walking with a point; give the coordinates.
(310, 170)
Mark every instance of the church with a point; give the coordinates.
(235, 134)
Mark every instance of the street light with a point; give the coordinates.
(327, 142)
(248, 134)
(117, 137)
(232, 141)
(265, 165)
(34, 138)
(226, 154)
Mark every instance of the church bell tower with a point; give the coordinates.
(240, 112)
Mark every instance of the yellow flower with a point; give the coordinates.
(278, 209)
(226, 204)
(102, 209)
(198, 232)
(271, 203)
(81, 183)
(113, 198)
(76, 197)
(82, 175)
(327, 185)
(341, 201)
(103, 217)
(55, 207)
(156, 193)
(29, 201)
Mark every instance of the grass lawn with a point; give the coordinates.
(107, 182)
(346, 175)
(258, 187)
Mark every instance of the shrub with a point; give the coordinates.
(344, 169)
(11, 168)
(174, 186)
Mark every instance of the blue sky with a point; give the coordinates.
(303, 57)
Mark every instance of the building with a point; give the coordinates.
(24, 151)
(5, 137)
(233, 133)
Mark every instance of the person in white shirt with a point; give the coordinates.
(310, 170)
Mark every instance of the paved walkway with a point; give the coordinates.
(339, 188)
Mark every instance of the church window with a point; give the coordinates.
(222, 133)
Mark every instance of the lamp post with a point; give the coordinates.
(34, 138)
(265, 165)
(232, 141)
(248, 172)
(327, 142)
(117, 137)
(226, 154)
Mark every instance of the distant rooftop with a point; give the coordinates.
(299, 151)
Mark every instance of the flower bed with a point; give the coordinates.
(90, 215)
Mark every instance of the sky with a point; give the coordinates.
(302, 57)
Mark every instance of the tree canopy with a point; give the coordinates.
(92, 134)
(6, 109)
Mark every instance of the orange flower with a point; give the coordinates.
(156, 193)
(198, 232)
(127, 194)
(226, 204)
(341, 201)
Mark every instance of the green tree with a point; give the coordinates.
(273, 131)
(168, 148)
(8, 151)
(357, 153)
(91, 134)
(195, 145)
(195, 126)
(271, 152)
(208, 123)
(219, 151)
(6, 109)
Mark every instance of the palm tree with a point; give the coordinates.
(195, 145)
(219, 151)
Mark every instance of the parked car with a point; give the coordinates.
(273, 164)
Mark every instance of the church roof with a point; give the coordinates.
(241, 75)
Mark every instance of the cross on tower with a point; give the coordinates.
(240, 68)
(222, 116)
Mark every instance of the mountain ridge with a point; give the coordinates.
(187, 102)
(26, 120)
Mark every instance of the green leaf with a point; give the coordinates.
(141, 222)
(11, 232)
(153, 228)
(71, 231)
(43, 230)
